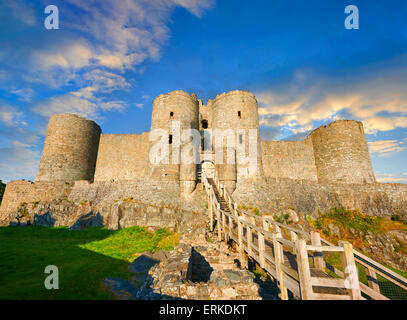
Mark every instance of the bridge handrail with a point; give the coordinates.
(377, 267)
(242, 219)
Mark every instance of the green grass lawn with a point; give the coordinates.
(84, 258)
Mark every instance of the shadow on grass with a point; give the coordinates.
(26, 251)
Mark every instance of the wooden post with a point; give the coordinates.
(262, 249)
(241, 248)
(278, 233)
(253, 220)
(265, 224)
(304, 271)
(294, 238)
(211, 211)
(235, 209)
(249, 240)
(350, 270)
(372, 279)
(218, 218)
(230, 227)
(278, 248)
(224, 227)
(318, 257)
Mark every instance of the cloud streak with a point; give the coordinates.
(378, 98)
(386, 147)
(83, 68)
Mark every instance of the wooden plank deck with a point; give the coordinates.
(324, 286)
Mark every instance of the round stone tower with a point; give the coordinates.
(169, 111)
(341, 153)
(70, 149)
(238, 111)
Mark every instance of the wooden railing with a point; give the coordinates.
(294, 257)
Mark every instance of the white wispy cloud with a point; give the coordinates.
(386, 147)
(104, 40)
(11, 116)
(84, 66)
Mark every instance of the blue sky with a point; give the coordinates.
(109, 59)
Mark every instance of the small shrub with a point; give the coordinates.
(310, 220)
(209, 239)
(260, 272)
(397, 218)
(283, 218)
(256, 211)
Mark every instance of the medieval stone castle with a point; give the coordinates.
(330, 167)
(75, 149)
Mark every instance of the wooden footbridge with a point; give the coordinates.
(293, 257)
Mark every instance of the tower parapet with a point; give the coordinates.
(70, 149)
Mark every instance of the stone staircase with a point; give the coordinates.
(221, 200)
(199, 172)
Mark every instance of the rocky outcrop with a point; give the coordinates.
(277, 195)
(112, 214)
(196, 269)
(389, 248)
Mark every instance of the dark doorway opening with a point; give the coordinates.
(204, 124)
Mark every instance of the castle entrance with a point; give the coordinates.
(209, 168)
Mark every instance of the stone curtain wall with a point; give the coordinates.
(289, 159)
(152, 192)
(70, 149)
(275, 195)
(18, 192)
(271, 196)
(122, 157)
(341, 153)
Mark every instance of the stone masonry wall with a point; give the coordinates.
(70, 149)
(122, 157)
(275, 195)
(20, 191)
(238, 110)
(341, 153)
(289, 159)
(156, 193)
